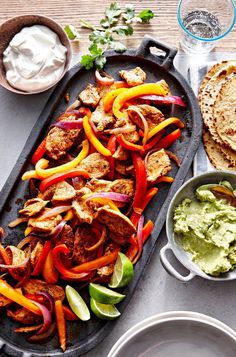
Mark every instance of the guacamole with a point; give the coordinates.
(206, 228)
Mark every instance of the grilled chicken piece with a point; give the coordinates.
(24, 316)
(158, 164)
(59, 141)
(102, 119)
(63, 192)
(66, 237)
(48, 193)
(108, 269)
(36, 253)
(121, 154)
(4, 301)
(84, 237)
(90, 96)
(120, 167)
(125, 186)
(46, 225)
(83, 211)
(134, 77)
(153, 115)
(17, 256)
(33, 206)
(116, 222)
(96, 165)
(165, 86)
(34, 286)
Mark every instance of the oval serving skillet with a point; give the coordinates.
(84, 336)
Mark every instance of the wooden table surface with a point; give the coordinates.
(164, 26)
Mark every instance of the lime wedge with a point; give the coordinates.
(104, 311)
(104, 295)
(77, 304)
(123, 272)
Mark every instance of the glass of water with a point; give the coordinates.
(204, 22)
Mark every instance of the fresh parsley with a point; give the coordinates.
(116, 22)
(71, 32)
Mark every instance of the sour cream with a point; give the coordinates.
(34, 59)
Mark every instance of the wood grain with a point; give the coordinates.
(164, 26)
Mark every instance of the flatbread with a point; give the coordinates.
(225, 112)
(215, 155)
(209, 95)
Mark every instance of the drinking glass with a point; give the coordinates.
(204, 22)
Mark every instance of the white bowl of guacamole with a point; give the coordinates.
(201, 228)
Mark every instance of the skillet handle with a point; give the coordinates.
(169, 267)
(144, 49)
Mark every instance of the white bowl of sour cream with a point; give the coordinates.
(34, 54)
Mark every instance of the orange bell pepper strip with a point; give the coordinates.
(164, 124)
(61, 177)
(69, 215)
(93, 139)
(96, 263)
(120, 84)
(12, 294)
(168, 140)
(133, 249)
(68, 313)
(104, 201)
(128, 145)
(49, 272)
(41, 260)
(140, 182)
(110, 97)
(61, 324)
(149, 195)
(111, 145)
(39, 152)
(167, 179)
(42, 164)
(147, 88)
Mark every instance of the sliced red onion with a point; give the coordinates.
(28, 239)
(162, 100)
(114, 196)
(103, 78)
(69, 124)
(173, 157)
(49, 298)
(47, 318)
(76, 181)
(54, 212)
(57, 230)
(97, 132)
(44, 337)
(75, 104)
(144, 121)
(16, 266)
(17, 221)
(140, 239)
(99, 242)
(122, 130)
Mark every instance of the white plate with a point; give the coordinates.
(179, 334)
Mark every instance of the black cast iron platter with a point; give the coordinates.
(84, 336)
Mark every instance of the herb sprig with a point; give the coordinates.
(116, 22)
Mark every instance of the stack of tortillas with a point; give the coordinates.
(217, 100)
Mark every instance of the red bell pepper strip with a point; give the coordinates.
(41, 260)
(128, 145)
(133, 249)
(14, 295)
(141, 182)
(61, 177)
(39, 152)
(111, 145)
(149, 195)
(49, 272)
(61, 324)
(152, 143)
(167, 179)
(68, 313)
(168, 140)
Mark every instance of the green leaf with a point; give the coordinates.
(146, 15)
(95, 50)
(87, 61)
(100, 61)
(123, 30)
(129, 13)
(113, 11)
(71, 32)
(105, 23)
(118, 46)
(86, 24)
(99, 37)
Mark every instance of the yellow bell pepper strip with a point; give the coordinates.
(61, 177)
(148, 88)
(93, 139)
(12, 294)
(109, 98)
(69, 215)
(61, 324)
(31, 174)
(42, 164)
(164, 124)
(27, 231)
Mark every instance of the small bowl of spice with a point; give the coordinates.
(34, 54)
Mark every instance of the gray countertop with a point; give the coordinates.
(157, 292)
